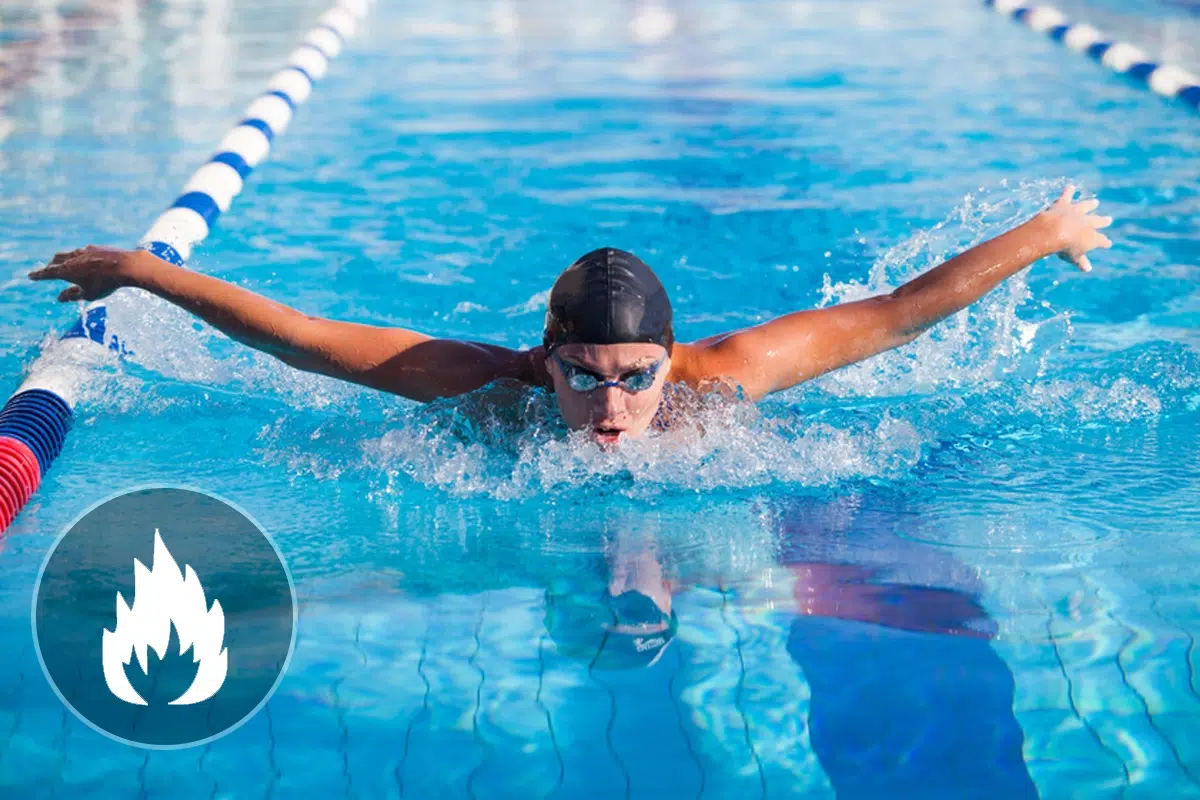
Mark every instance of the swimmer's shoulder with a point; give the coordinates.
(530, 368)
(685, 365)
(690, 368)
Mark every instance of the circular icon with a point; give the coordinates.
(164, 617)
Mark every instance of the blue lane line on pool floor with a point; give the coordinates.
(1122, 58)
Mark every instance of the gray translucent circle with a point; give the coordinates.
(236, 563)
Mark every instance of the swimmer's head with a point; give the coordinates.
(608, 297)
(608, 343)
(611, 632)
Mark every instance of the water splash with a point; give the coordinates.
(1006, 355)
(167, 340)
(727, 445)
(981, 343)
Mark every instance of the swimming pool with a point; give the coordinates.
(1029, 470)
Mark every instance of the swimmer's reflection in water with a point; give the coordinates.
(608, 349)
(624, 616)
(627, 622)
(908, 698)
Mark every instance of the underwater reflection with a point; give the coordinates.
(627, 622)
(764, 645)
(907, 696)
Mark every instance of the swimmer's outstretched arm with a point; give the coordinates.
(394, 360)
(779, 354)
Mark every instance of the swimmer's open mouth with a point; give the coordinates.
(607, 434)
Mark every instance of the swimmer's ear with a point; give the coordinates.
(538, 365)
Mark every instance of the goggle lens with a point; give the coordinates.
(580, 380)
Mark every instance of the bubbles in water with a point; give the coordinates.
(727, 445)
(1121, 401)
(172, 343)
(979, 343)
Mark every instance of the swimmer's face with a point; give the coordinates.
(608, 411)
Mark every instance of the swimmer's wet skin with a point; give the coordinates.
(609, 348)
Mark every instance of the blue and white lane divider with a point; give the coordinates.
(35, 420)
(1122, 58)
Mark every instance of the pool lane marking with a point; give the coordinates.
(1167, 80)
(212, 188)
(35, 420)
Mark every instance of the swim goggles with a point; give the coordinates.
(580, 380)
(637, 633)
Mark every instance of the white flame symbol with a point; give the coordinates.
(163, 595)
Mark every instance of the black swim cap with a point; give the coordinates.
(582, 627)
(608, 297)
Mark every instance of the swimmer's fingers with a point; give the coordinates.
(1078, 260)
(96, 271)
(64, 257)
(44, 274)
(58, 266)
(1064, 199)
(1093, 239)
(1100, 222)
(54, 268)
(59, 272)
(70, 294)
(1078, 255)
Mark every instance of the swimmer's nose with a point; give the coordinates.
(607, 402)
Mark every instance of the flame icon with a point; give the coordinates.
(164, 595)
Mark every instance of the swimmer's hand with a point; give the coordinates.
(1075, 229)
(96, 272)
(796, 347)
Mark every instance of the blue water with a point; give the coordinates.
(1006, 514)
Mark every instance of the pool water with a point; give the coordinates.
(966, 568)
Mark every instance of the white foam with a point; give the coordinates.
(968, 348)
(505, 21)
(67, 365)
(1123, 400)
(522, 450)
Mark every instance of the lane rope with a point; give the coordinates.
(1123, 58)
(35, 421)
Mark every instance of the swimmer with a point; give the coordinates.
(608, 353)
